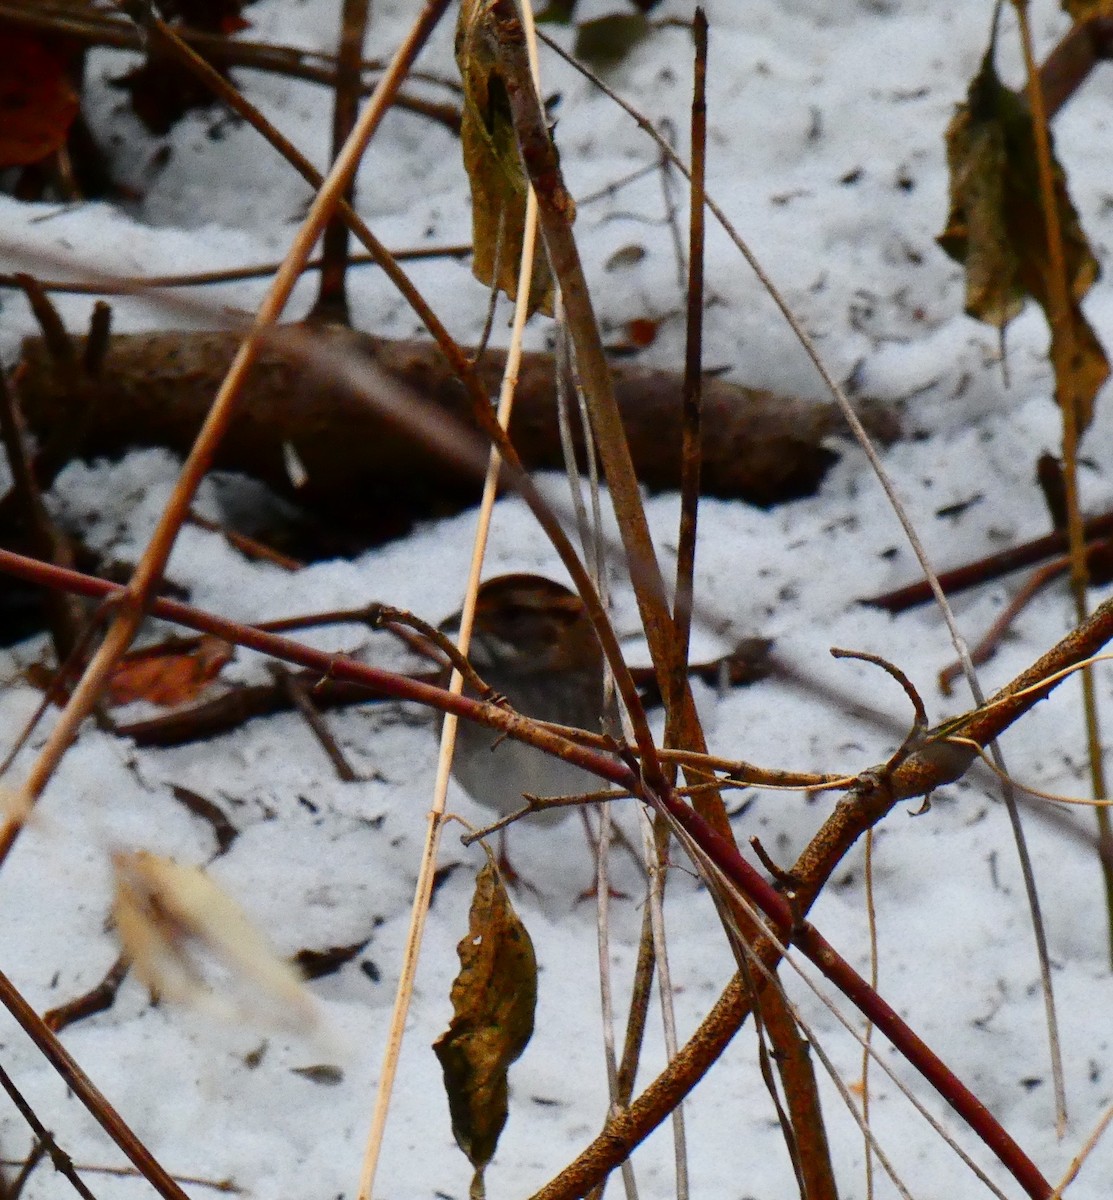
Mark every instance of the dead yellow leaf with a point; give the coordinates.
(171, 919)
(493, 1002)
(996, 229)
(496, 177)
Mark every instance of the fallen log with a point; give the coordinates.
(155, 389)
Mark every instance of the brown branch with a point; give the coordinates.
(993, 566)
(65, 615)
(156, 389)
(243, 703)
(692, 405)
(332, 295)
(212, 814)
(97, 1000)
(299, 695)
(139, 283)
(1086, 45)
(333, 667)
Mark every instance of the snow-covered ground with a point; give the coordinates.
(826, 121)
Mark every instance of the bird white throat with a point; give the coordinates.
(532, 642)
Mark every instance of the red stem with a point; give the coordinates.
(721, 850)
(329, 666)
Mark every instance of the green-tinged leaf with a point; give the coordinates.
(493, 1001)
(996, 226)
(557, 12)
(977, 232)
(607, 40)
(495, 175)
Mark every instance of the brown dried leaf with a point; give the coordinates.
(167, 675)
(495, 175)
(1083, 10)
(37, 101)
(996, 227)
(493, 1002)
(169, 917)
(1088, 366)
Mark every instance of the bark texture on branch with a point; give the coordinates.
(156, 388)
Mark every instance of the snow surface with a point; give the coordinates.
(825, 142)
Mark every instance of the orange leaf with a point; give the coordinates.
(167, 675)
(642, 331)
(37, 100)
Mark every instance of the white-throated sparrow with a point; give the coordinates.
(532, 642)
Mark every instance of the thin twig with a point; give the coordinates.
(1062, 352)
(62, 1162)
(691, 444)
(67, 619)
(26, 1170)
(654, 858)
(590, 533)
(423, 892)
(300, 697)
(97, 999)
(249, 547)
(871, 925)
(216, 1185)
(993, 566)
(88, 1093)
(136, 283)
